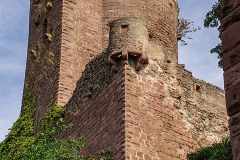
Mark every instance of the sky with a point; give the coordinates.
(14, 17)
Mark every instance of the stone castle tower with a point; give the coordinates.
(113, 65)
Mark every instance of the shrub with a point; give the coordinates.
(218, 151)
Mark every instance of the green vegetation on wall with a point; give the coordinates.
(218, 151)
(21, 144)
(53, 115)
(20, 136)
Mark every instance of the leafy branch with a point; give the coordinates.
(185, 28)
(212, 20)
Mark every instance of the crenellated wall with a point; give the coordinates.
(230, 27)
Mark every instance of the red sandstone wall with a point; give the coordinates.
(42, 68)
(102, 119)
(154, 128)
(141, 115)
(85, 32)
(81, 41)
(230, 27)
(79, 32)
(76, 30)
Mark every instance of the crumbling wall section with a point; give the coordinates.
(169, 113)
(95, 76)
(202, 107)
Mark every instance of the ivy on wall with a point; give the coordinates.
(53, 115)
(20, 136)
(21, 144)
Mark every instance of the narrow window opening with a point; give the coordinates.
(124, 28)
(198, 88)
(234, 97)
(44, 29)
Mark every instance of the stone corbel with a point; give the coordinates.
(118, 59)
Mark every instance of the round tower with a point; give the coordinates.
(160, 16)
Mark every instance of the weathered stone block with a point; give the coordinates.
(233, 99)
(234, 125)
(227, 6)
(230, 18)
(231, 58)
(236, 147)
(232, 76)
(230, 37)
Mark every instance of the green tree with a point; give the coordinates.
(212, 20)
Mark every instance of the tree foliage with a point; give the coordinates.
(218, 151)
(213, 17)
(185, 28)
(212, 20)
